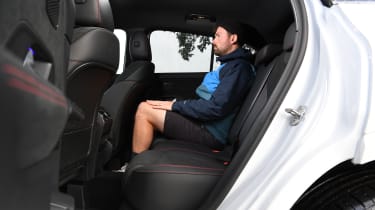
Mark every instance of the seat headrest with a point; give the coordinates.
(289, 37)
(140, 47)
(96, 13)
(267, 53)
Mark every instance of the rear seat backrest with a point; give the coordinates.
(276, 68)
(263, 57)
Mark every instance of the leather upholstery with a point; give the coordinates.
(34, 113)
(140, 48)
(170, 179)
(289, 37)
(267, 53)
(94, 57)
(128, 90)
(96, 13)
(93, 45)
(69, 19)
(121, 99)
(34, 109)
(166, 170)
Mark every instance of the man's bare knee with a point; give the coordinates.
(146, 113)
(142, 110)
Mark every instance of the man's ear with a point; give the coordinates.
(233, 38)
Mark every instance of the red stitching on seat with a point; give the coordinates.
(30, 89)
(178, 172)
(27, 78)
(98, 16)
(25, 82)
(186, 166)
(179, 149)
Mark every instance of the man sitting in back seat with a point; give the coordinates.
(206, 120)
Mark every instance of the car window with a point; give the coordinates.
(175, 52)
(121, 36)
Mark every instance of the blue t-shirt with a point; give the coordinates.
(209, 84)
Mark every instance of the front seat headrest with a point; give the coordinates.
(94, 13)
(140, 48)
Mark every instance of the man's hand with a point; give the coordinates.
(164, 105)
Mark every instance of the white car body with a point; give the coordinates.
(335, 84)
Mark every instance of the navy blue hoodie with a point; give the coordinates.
(219, 103)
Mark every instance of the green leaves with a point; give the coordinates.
(188, 42)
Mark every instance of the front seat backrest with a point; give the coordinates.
(129, 88)
(94, 57)
(33, 113)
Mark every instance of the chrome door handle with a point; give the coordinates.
(297, 115)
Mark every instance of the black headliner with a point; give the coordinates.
(269, 17)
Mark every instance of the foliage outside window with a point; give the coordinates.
(187, 44)
(176, 52)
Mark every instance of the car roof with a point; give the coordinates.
(269, 17)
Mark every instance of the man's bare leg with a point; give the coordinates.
(147, 120)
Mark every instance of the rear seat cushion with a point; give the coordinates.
(155, 175)
(163, 144)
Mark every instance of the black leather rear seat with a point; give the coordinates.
(179, 175)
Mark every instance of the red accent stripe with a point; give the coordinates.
(54, 95)
(178, 172)
(185, 166)
(13, 82)
(98, 16)
(27, 78)
(184, 150)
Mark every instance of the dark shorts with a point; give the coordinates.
(179, 127)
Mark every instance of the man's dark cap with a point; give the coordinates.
(233, 27)
(246, 33)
